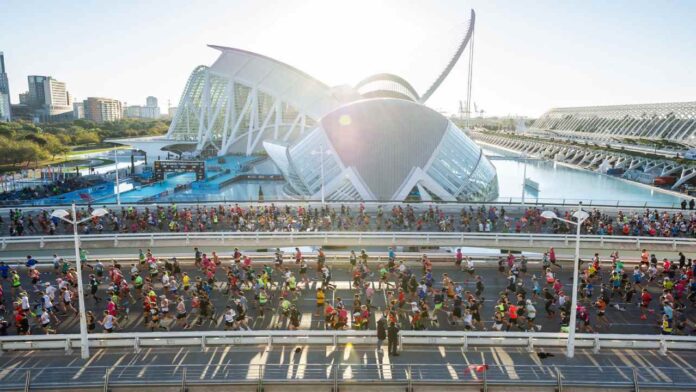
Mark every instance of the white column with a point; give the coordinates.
(84, 342)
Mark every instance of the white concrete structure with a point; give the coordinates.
(674, 121)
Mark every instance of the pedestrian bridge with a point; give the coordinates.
(342, 375)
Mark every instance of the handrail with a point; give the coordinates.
(336, 374)
(375, 238)
(136, 340)
(512, 202)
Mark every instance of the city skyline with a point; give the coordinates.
(519, 68)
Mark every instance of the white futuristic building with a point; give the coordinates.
(377, 140)
(386, 149)
(673, 121)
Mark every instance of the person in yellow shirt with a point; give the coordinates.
(186, 282)
(320, 300)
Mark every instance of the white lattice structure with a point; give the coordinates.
(674, 121)
(245, 98)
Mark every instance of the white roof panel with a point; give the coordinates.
(276, 78)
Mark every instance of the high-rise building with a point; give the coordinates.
(78, 110)
(37, 97)
(102, 109)
(150, 110)
(151, 102)
(5, 106)
(48, 97)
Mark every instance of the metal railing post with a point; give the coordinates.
(335, 387)
(559, 380)
(409, 378)
(636, 385)
(485, 378)
(27, 381)
(107, 374)
(183, 379)
(262, 371)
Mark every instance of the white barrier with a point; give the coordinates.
(338, 238)
(203, 339)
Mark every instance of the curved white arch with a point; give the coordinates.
(465, 41)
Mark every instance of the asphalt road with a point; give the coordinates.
(620, 321)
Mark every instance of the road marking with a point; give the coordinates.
(86, 365)
(302, 366)
(508, 363)
(348, 372)
(639, 359)
(306, 320)
(4, 372)
(253, 373)
(207, 366)
(625, 360)
(386, 368)
(222, 358)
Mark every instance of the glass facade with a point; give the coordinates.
(213, 104)
(306, 157)
(457, 165)
(460, 167)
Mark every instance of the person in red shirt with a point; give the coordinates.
(645, 299)
(512, 316)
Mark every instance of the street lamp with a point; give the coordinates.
(321, 152)
(63, 214)
(118, 189)
(581, 216)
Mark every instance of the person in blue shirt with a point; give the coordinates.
(4, 270)
(31, 262)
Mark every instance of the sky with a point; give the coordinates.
(529, 56)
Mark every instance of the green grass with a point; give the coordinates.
(96, 150)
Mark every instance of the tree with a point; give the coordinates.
(86, 137)
(54, 145)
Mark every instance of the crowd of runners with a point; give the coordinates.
(159, 294)
(399, 217)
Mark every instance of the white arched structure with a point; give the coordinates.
(674, 121)
(245, 98)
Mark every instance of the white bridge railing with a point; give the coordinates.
(203, 339)
(357, 238)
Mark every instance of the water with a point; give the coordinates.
(558, 183)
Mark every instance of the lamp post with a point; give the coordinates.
(117, 189)
(63, 214)
(524, 175)
(581, 216)
(321, 153)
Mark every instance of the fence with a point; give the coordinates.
(338, 238)
(610, 205)
(203, 339)
(336, 376)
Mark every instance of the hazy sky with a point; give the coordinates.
(529, 55)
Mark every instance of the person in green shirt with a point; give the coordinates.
(262, 300)
(138, 284)
(285, 305)
(383, 277)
